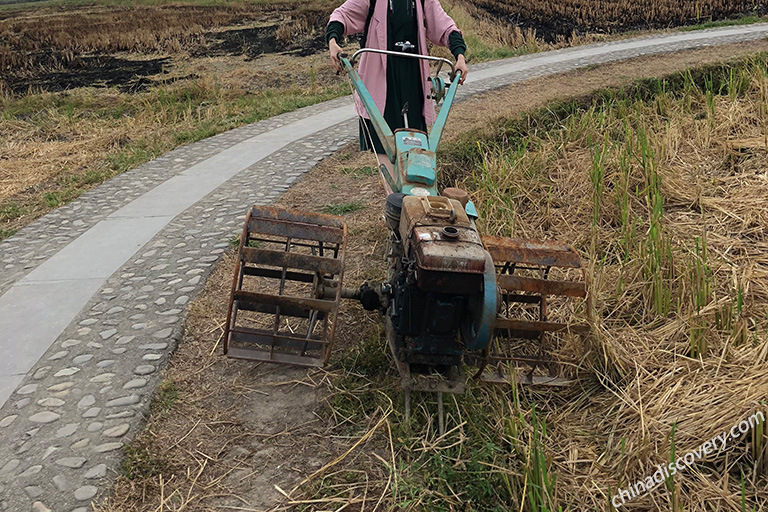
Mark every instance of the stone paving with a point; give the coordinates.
(67, 414)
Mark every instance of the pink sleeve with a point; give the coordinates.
(352, 14)
(439, 24)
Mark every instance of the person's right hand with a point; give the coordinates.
(461, 65)
(335, 50)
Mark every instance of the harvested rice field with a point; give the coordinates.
(660, 186)
(555, 20)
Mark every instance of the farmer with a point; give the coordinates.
(394, 81)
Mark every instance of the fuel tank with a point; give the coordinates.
(444, 243)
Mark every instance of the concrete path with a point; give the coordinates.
(93, 295)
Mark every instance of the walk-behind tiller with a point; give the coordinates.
(452, 298)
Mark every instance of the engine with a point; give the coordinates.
(437, 270)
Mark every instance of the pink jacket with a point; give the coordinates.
(373, 68)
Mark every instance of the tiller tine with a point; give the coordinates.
(537, 280)
(279, 309)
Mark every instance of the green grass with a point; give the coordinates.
(490, 469)
(744, 20)
(359, 172)
(165, 398)
(343, 208)
(172, 117)
(173, 109)
(140, 464)
(480, 51)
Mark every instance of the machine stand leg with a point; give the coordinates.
(407, 404)
(440, 413)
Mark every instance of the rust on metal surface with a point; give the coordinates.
(510, 282)
(302, 277)
(297, 216)
(435, 251)
(537, 326)
(431, 211)
(526, 271)
(295, 229)
(255, 354)
(272, 309)
(281, 301)
(441, 235)
(459, 194)
(279, 311)
(248, 335)
(290, 260)
(546, 253)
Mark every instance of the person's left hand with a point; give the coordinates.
(461, 65)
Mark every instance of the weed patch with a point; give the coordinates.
(359, 172)
(165, 398)
(343, 208)
(139, 463)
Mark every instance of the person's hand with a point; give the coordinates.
(461, 65)
(335, 50)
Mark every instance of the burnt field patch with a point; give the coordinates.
(298, 37)
(127, 75)
(556, 21)
(50, 49)
(124, 46)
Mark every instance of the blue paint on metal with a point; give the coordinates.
(442, 117)
(489, 310)
(417, 161)
(471, 210)
(438, 88)
(417, 189)
(377, 120)
(411, 152)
